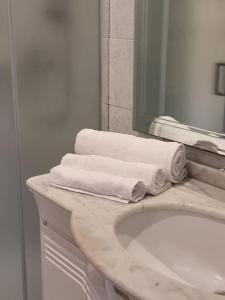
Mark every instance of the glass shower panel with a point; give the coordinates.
(56, 47)
(11, 278)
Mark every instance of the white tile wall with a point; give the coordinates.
(121, 73)
(120, 120)
(105, 18)
(122, 19)
(117, 65)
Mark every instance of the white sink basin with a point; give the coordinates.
(186, 247)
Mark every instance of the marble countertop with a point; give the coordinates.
(93, 222)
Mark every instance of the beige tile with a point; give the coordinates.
(105, 18)
(120, 120)
(122, 19)
(121, 73)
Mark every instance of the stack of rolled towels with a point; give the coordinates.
(120, 167)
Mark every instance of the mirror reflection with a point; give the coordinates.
(180, 71)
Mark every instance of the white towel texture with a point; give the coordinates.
(152, 176)
(170, 156)
(99, 184)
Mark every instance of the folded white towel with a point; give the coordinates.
(170, 156)
(153, 177)
(98, 184)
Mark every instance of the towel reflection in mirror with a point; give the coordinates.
(169, 128)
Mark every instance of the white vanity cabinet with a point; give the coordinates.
(66, 274)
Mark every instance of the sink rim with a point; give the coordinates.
(167, 213)
(212, 212)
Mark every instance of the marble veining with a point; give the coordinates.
(93, 222)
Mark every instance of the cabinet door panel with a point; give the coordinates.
(64, 276)
(60, 284)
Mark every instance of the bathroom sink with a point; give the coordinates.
(183, 246)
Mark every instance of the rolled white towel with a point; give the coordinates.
(153, 177)
(98, 184)
(170, 156)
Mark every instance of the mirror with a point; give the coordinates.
(179, 71)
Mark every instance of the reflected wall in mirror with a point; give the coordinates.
(179, 80)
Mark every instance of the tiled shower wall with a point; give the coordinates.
(117, 65)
